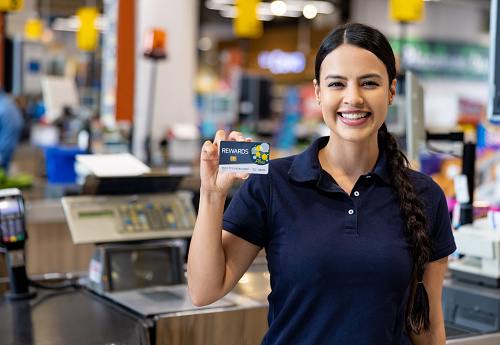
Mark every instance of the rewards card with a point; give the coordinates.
(244, 157)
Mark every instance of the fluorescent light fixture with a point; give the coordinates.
(229, 12)
(218, 5)
(267, 11)
(73, 23)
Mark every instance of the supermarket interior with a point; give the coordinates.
(108, 111)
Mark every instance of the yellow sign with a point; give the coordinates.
(11, 5)
(406, 10)
(33, 29)
(246, 24)
(87, 36)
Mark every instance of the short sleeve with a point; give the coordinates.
(247, 213)
(441, 232)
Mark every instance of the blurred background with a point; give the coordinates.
(152, 80)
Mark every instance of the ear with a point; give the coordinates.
(392, 91)
(316, 90)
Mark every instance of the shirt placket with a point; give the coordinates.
(352, 208)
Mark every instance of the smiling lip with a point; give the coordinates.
(353, 118)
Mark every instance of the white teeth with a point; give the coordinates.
(353, 116)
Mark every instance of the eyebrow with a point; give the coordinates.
(364, 76)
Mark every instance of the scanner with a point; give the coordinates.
(13, 238)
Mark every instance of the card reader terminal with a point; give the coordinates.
(116, 218)
(11, 217)
(12, 238)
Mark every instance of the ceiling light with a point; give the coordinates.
(310, 11)
(278, 8)
(204, 43)
(267, 10)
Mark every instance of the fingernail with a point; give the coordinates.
(240, 137)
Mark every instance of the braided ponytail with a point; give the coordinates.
(373, 40)
(411, 208)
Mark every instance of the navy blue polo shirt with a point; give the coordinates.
(340, 264)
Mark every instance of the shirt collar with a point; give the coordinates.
(306, 166)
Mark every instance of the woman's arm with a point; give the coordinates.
(217, 259)
(433, 282)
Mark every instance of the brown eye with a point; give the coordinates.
(335, 84)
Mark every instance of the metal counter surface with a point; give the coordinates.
(79, 317)
(482, 339)
(74, 317)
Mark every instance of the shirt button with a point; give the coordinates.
(350, 211)
(356, 193)
(368, 176)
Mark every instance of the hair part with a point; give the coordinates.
(362, 36)
(371, 39)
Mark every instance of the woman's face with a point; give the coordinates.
(354, 91)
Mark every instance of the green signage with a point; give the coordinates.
(430, 59)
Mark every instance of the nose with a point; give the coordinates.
(353, 96)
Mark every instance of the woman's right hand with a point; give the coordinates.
(213, 181)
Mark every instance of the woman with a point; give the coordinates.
(356, 242)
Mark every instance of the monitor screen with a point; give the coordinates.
(9, 206)
(135, 268)
(416, 135)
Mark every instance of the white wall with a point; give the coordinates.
(174, 92)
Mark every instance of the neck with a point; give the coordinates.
(349, 159)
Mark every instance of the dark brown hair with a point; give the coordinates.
(371, 39)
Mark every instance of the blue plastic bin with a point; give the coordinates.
(60, 163)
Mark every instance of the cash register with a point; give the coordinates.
(140, 226)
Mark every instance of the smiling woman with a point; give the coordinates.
(356, 241)
(354, 91)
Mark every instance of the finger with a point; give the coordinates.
(219, 136)
(237, 136)
(234, 176)
(209, 149)
(243, 176)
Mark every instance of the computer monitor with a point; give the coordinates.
(493, 109)
(58, 92)
(416, 135)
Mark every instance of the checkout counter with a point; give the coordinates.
(136, 292)
(471, 297)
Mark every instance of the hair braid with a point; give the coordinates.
(411, 208)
